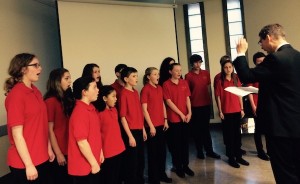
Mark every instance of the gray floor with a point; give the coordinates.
(210, 171)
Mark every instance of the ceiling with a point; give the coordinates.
(178, 2)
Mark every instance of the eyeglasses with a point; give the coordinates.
(36, 65)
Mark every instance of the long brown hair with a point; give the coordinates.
(15, 68)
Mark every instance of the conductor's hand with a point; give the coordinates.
(241, 46)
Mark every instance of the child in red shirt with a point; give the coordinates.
(27, 124)
(176, 94)
(85, 146)
(133, 123)
(230, 111)
(156, 117)
(60, 102)
(113, 145)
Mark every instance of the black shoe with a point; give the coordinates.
(242, 161)
(180, 173)
(200, 155)
(233, 163)
(213, 155)
(165, 178)
(188, 171)
(243, 152)
(262, 155)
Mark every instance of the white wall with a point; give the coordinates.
(26, 26)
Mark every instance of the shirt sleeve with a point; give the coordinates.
(123, 105)
(15, 109)
(80, 125)
(50, 103)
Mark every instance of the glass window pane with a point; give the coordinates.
(233, 53)
(196, 33)
(234, 40)
(235, 28)
(193, 9)
(197, 45)
(234, 15)
(232, 4)
(195, 21)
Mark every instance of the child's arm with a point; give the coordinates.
(86, 150)
(148, 120)
(175, 109)
(242, 107)
(61, 160)
(166, 125)
(132, 142)
(189, 114)
(220, 107)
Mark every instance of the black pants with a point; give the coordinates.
(89, 179)
(179, 137)
(200, 128)
(232, 134)
(19, 175)
(156, 147)
(110, 170)
(258, 139)
(59, 173)
(134, 159)
(285, 158)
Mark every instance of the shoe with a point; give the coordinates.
(242, 161)
(200, 155)
(262, 155)
(233, 163)
(188, 171)
(213, 155)
(243, 152)
(165, 178)
(180, 173)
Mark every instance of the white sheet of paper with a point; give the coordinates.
(242, 91)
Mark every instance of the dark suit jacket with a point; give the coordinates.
(278, 109)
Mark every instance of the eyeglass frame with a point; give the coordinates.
(36, 65)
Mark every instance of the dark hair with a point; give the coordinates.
(126, 72)
(223, 75)
(88, 71)
(164, 70)
(195, 58)
(120, 67)
(258, 55)
(82, 83)
(275, 30)
(172, 66)
(105, 91)
(15, 70)
(224, 58)
(148, 72)
(54, 89)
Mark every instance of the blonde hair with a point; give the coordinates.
(148, 72)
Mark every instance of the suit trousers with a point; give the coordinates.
(285, 158)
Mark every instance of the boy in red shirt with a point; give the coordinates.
(132, 119)
(199, 83)
(176, 94)
(85, 148)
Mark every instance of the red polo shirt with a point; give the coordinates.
(230, 103)
(84, 124)
(199, 84)
(153, 97)
(61, 123)
(111, 134)
(130, 108)
(26, 107)
(178, 94)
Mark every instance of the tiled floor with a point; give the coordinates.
(211, 171)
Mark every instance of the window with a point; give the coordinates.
(195, 32)
(234, 24)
